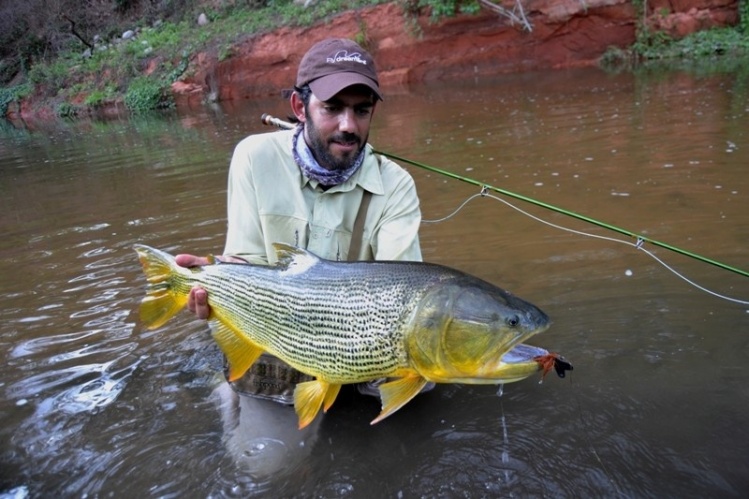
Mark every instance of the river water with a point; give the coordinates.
(92, 404)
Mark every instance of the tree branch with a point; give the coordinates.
(76, 34)
(516, 15)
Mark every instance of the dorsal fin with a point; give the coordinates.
(294, 259)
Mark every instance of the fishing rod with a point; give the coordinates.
(639, 238)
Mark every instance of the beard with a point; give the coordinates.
(321, 148)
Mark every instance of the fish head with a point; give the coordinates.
(464, 327)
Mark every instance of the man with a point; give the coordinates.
(308, 187)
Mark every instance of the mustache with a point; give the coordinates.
(346, 137)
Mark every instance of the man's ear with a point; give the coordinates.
(297, 107)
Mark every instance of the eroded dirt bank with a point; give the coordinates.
(410, 48)
(565, 33)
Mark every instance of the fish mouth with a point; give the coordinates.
(514, 365)
(522, 353)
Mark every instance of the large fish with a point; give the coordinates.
(349, 322)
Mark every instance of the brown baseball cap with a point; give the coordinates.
(334, 64)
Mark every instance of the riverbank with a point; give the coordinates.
(412, 47)
(563, 34)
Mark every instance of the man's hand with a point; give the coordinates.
(197, 302)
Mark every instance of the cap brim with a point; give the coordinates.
(326, 87)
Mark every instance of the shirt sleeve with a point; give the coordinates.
(397, 233)
(244, 234)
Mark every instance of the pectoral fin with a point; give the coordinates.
(240, 352)
(396, 394)
(310, 396)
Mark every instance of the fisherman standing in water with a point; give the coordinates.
(319, 187)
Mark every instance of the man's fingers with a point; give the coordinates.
(197, 302)
(201, 303)
(191, 300)
(185, 260)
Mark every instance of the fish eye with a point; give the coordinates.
(513, 321)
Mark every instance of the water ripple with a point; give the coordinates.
(76, 389)
(37, 345)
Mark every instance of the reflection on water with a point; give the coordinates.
(93, 404)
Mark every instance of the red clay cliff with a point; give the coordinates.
(411, 48)
(564, 33)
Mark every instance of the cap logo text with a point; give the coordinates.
(344, 56)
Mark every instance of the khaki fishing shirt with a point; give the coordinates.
(270, 200)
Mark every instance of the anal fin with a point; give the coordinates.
(310, 396)
(330, 396)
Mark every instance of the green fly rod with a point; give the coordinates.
(640, 239)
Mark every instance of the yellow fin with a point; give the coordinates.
(159, 306)
(162, 301)
(308, 397)
(240, 352)
(396, 394)
(330, 397)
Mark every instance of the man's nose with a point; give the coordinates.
(347, 121)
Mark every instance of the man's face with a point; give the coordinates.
(337, 130)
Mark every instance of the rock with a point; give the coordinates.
(128, 34)
(680, 24)
(202, 19)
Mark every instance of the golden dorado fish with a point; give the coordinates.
(350, 322)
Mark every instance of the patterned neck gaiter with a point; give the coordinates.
(310, 167)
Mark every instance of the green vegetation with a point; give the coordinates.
(743, 26)
(657, 46)
(73, 56)
(145, 93)
(97, 65)
(66, 110)
(653, 45)
(13, 94)
(709, 43)
(448, 8)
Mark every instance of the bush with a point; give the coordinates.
(51, 74)
(12, 94)
(144, 94)
(66, 110)
(743, 26)
(99, 96)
